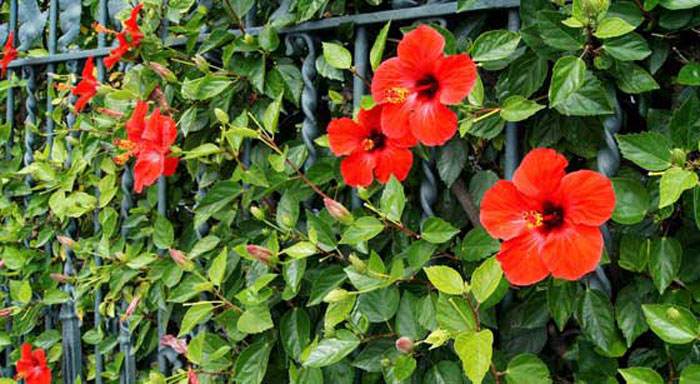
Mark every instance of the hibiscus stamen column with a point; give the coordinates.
(511, 146)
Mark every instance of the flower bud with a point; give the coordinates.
(261, 254)
(110, 112)
(404, 344)
(201, 63)
(59, 278)
(356, 262)
(257, 213)
(338, 294)
(66, 241)
(192, 376)
(178, 345)
(131, 308)
(2, 263)
(338, 211)
(163, 71)
(5, 312)
(178, 256)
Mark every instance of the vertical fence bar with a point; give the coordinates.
(361, 57)
(126, 375)
(309, 99)
(512, 158)
(162, 210)
(102, 13)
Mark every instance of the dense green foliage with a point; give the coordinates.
(326, 299)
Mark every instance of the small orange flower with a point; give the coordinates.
(129, 37)
(86, 89)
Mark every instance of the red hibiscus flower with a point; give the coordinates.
(548, 219)
(87, 87)
(9, 53)
(129, 37)
(31, 367)
(149, 140)
(417, 85)
(369, 152)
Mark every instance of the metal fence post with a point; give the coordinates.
(512, 159)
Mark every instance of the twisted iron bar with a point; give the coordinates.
(309, 95)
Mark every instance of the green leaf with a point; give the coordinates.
(401, 370)
(362, 229)
(679, 4)
(377, 51)
(295, 330)
(463, 5)
(527, 368)
(300, 250)
(665, 256)
(255, 320)
(454, 314)
(337, 56)
(203, 150)
(631, 201)
(598, 323)
(437, 231)
(634, 79)
(268, 38)
(628, 310)
(331, 350)
(475, 350)
(379, 305)
(672, 323)
(641, 375)
(393, 199)
(197, 314)
(630, 47)
(690, 374)
(568, 76)
(485, 279)
(649, 150)
(477, 245)
(612, 26)
(494, 45)
(591, 99)
(674, 182)
(445, 279)
(21, 291)
(270, 118)
(561, 300)
(217, 270)
(251, 363)
(518, 108)
(556, 34)
(205, 88)
(689, 74)
(524, 76)
(451, 159)
(163, 235)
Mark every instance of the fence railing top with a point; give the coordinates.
(423, 11)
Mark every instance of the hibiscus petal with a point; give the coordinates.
(540, 172)
(149, 165)
(135, 124)
(393, 161)
(357, 169)
(371, 119)
(88, 69)
(391, 76)
(433, 123)
(502, 211)
(421, 48)
(572, 251)
(395, 119)
(170, 166)
(345, 135)
(456, 75)
(520, 260)
(587, 197)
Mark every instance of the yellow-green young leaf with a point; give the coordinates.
(445, 279)
(197, 314)
(337, 56)
(612, 27)
(218, 267)
(203, 150)
(485, 279)
(518, 108)
(673, 183)
(377, 51)
(163, 235)
(300, 250)
(272, 114)
(393, 199)
(255, 320)
(527, 368)
(690, 374)
(21, 291)
(475, 350)
(640, 375)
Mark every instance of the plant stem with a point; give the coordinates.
(466, 201)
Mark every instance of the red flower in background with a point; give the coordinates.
(149, 139)
(129, 37)
(31, 367)
(416, 86)
(87, 87)
(548, 219)
(369, 152)
(9, 53)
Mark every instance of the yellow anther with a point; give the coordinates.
(534, 219)
(396, 95)
(368, 144)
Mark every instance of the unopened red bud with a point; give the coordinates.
(131, 308)
(404, 344)
(5, 312)
(162, 71)
(2, 263)
(178, 256)
(261, 254)
(178, 345)
(59, 278)
(338, 211)
(192, 376)
(66, 241)
(110, 112)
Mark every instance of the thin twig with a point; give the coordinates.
(466, 201)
